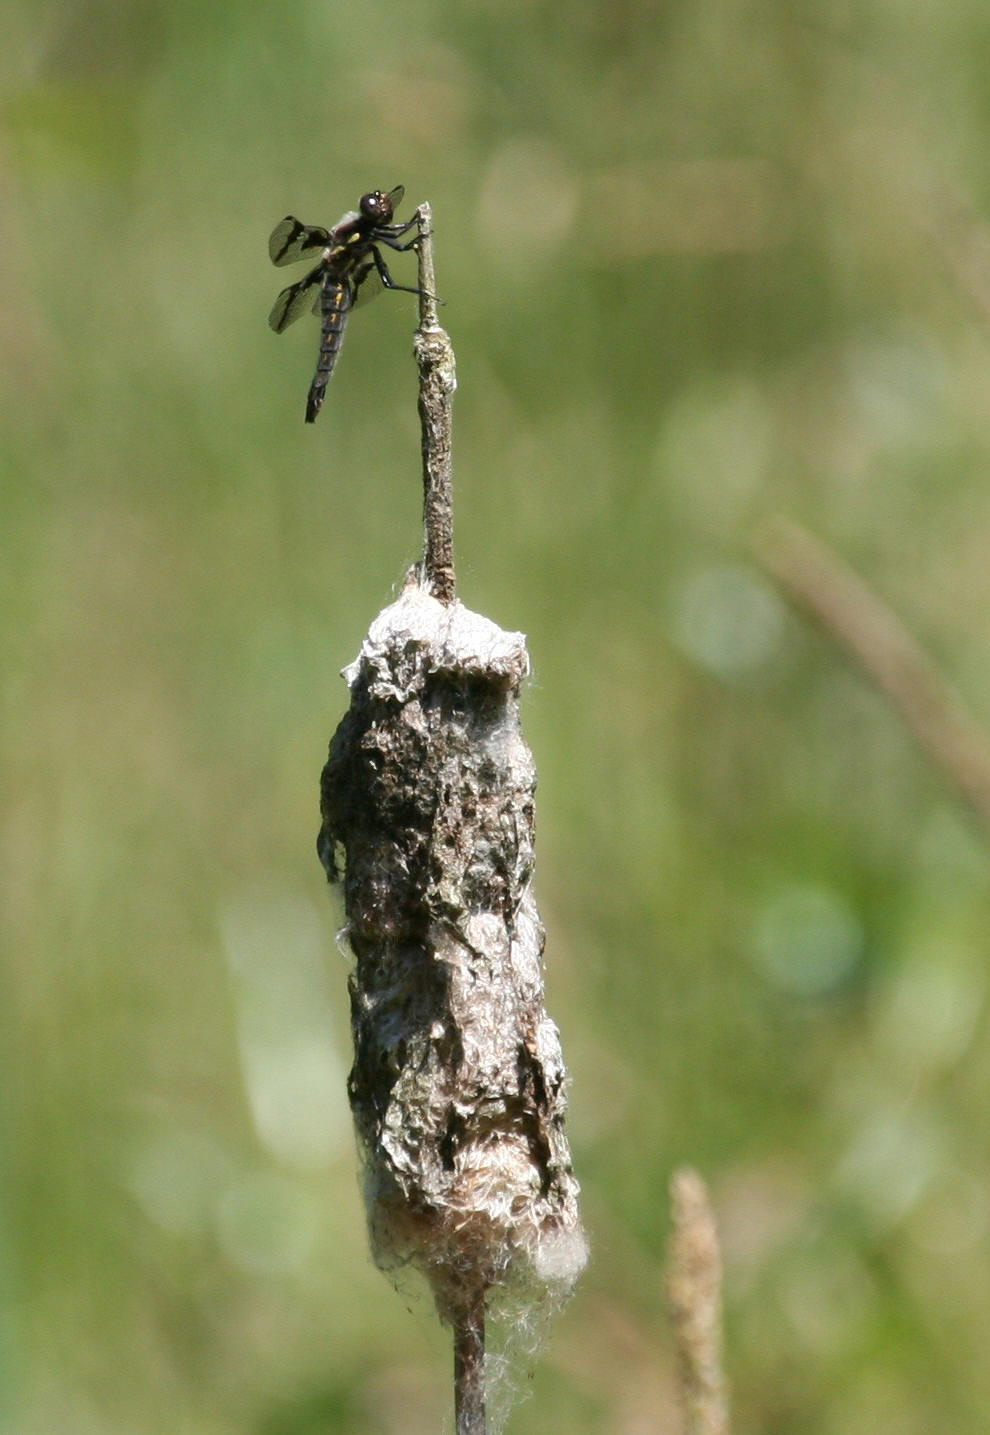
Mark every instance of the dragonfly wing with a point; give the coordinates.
(292, 240)
(297, 300)
(366, 284)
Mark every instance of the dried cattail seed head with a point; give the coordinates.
(458, 1083)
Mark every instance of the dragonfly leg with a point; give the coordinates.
(394, 230)
(400, 248)
(386, 277)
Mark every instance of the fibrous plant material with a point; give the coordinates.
(458, 1082)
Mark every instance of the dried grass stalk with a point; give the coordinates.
(694, 1288)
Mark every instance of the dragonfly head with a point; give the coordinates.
(379, 207)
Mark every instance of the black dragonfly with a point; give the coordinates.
(351, 252)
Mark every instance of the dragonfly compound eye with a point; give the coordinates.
(376, 205)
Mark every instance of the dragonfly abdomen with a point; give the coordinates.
(337, 299)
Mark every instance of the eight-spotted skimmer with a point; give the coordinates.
(351, 253)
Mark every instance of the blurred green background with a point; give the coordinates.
(704, 262)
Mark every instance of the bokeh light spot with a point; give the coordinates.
(807, 940)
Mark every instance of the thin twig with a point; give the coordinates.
(437, 382)
(694, 1288)
(469, 1370)
(865, 627)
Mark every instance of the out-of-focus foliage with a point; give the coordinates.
(703, 262)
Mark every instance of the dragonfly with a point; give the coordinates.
(351, 254)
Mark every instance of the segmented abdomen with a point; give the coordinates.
(337, 298)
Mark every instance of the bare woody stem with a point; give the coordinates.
(469, 1369)
(437, 382)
